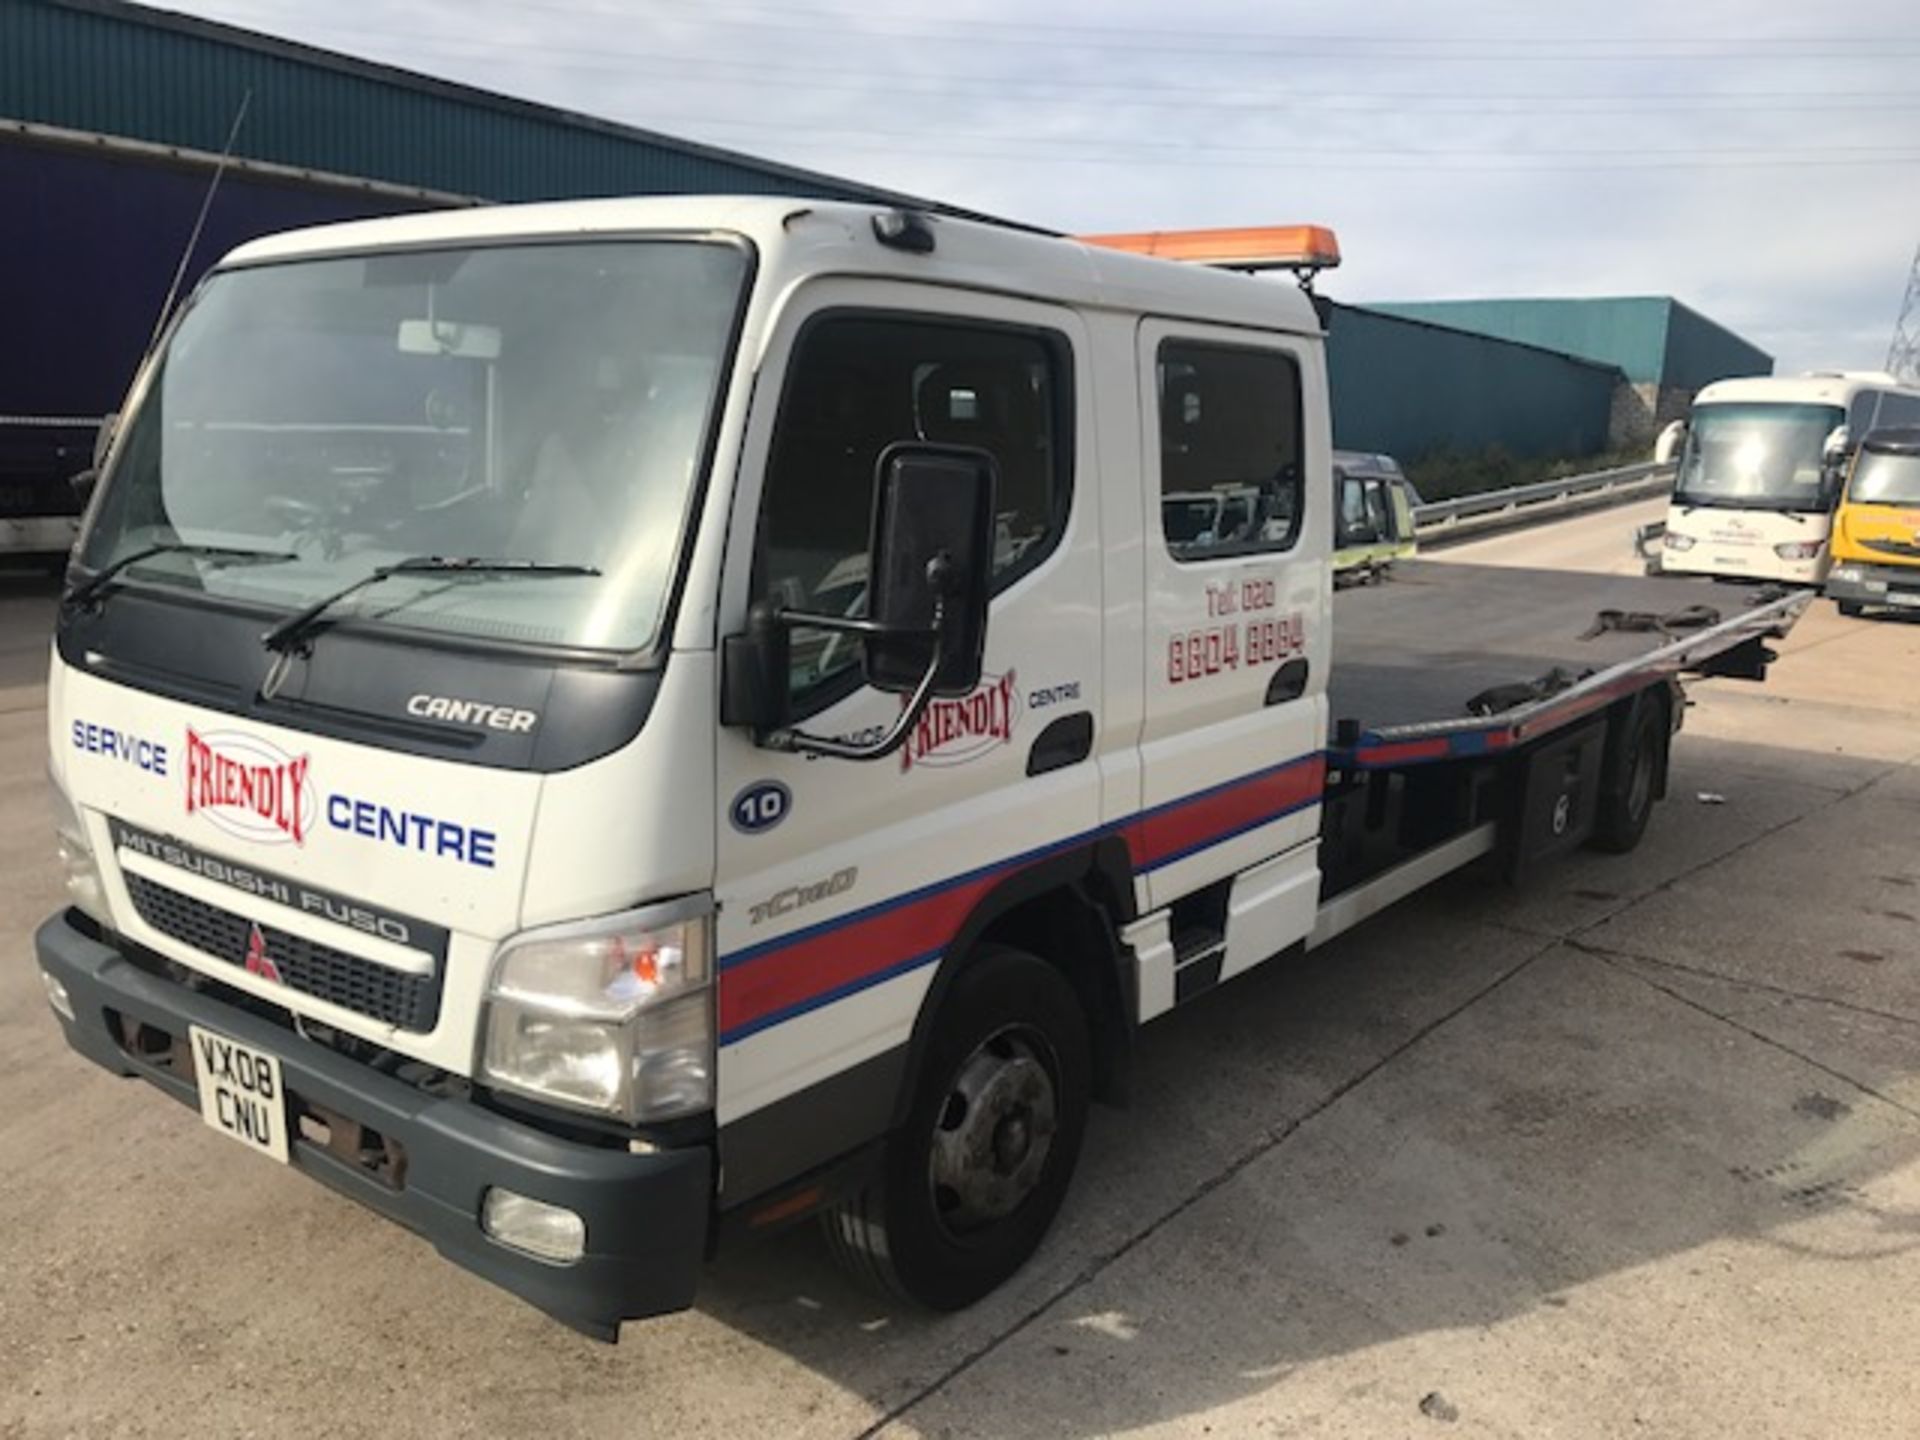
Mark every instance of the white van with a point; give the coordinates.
(1760, 462)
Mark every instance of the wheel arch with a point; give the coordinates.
(1067, 910)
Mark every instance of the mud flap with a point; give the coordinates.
(1557, 798)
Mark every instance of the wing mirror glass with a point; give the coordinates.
(929, 573)
(932, 551)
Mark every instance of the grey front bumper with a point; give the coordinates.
(1896, 585)
(646, 1215)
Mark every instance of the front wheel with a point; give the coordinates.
(1852, 609)
(972, 1180)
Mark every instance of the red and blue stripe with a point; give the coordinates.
(767, 984)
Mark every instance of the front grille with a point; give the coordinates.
(393, 997)
(1892, 547)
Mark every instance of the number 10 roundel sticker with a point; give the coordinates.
(760, 807)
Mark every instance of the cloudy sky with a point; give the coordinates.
(1757, 159)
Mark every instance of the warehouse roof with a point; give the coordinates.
(1653, 339)
(126, 70)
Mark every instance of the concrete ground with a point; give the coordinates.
(1635, 1150)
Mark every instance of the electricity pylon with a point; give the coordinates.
(1903, 353)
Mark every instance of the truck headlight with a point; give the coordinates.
(1677, 542)
(612, 1015)
(77, 860)
(1800, 549)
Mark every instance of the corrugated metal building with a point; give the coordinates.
(1416, 389)
(1665, 349)
(124, 70)
(111, 116)
(112, 119)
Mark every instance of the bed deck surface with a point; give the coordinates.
(1415, 647)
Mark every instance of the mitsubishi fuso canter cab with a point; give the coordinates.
(600, 729)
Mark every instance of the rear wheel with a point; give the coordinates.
(1630, 778)
(972, 1180)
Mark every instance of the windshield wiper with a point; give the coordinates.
(297, 627)
(1690, 503)
(95, 584)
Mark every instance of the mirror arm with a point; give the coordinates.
(847, 624)
(799, 743)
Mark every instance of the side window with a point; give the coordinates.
(1860, 415)
(1230, 450)
(860, 383)
(1901, 410)
(1356, 525)
(1379, 518)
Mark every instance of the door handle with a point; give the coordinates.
(1067, 741)
(1289, 682)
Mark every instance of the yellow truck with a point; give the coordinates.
(1876, 531)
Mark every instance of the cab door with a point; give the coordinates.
(842, 882)
(1238, 532)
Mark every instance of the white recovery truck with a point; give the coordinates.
(597, 729)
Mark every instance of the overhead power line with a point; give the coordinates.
(1156, 34)
(838, 28)
(1109, 143)
(1309, 157)
(801, 76)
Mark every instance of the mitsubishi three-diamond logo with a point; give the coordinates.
(258, 962)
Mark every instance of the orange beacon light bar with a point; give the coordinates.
(1301, 248)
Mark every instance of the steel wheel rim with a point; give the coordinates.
(993, 1132)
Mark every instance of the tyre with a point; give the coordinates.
(969, 1184)
(1630, 778)
(1852, 609)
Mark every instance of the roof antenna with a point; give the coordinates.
(200, 220)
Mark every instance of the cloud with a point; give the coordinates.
(1757, 161)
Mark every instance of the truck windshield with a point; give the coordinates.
(1756, 456)
(1884, 479)
(546, 404)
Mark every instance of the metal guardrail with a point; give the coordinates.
(1447, 520)
(51, 422)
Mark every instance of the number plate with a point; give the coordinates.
(240, 1093)
(1903, 597)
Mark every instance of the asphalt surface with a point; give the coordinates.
(1632, 1151)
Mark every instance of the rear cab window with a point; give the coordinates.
(1231, 450)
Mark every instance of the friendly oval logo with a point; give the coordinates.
(250, 788)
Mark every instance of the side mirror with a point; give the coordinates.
(925, 632)
(1834, 455)
(83, 484)
(1647, 540)
(932, 558)
(1667, 447)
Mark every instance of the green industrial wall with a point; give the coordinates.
(119, 69)
(1652, 339)
(1701, 351)
(1413, 389)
